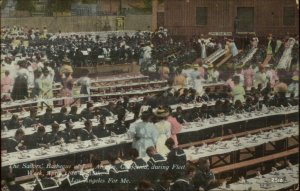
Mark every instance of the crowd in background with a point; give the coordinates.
(35, 58)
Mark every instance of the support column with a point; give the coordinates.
(154, 15)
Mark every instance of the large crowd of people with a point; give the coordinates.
(37, 59)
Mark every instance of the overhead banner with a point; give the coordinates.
(120, 23)
(246, 33)
(220, 33)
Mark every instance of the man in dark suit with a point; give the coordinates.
(204, 178)
(98, 177)
(30, 120)
(87, 113)
(47, 118)
(87, 132)
(68, 134)
(16, 143)
(102, 130)
(176, 159)
(138, 169)
(73, 114)
(45, 182)
(38, 139)
(157, 163)
(119, 126)
(62, 115)
(185, 182)
(55, 136)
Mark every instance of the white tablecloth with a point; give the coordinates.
(192, 153)
(130, 84)
(283, 178)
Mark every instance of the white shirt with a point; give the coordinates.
(147, 52)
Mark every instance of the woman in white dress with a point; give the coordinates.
(203, 49)
(144, 134)
(164, 130)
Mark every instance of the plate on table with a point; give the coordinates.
(252, 141)
(237, 144)
(82, 146)
(266, 136)
(223, 147)
(197, 151)
(23, 157)
(61, 150)
(4, 154)
(95, 143)
(266, 187)
(223, 188)
(224, 120)
(110, 141)
(4, 159)
(278, 135)
(40, 154)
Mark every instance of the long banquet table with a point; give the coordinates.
(229, 146)
(190, 127)
(20, 103)
(275, 180)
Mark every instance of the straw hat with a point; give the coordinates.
(66, 60)
(210, 65)
(240, 66)
(161, 112)
(281, 87)
(295, 78)
(195, 66)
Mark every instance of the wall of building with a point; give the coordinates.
(137, 22)
(180, 16)
(79, 24)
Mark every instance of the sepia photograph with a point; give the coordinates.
(149, 95)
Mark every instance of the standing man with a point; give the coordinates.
(204, 178)
(47, 87)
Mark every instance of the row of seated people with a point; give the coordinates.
(69, 135)
(158, 172)
(49, 117)
(188, 96)
(42, 139)
(120, 126)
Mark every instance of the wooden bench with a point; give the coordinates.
(227, 57)
(217, 170)
(248, 163)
